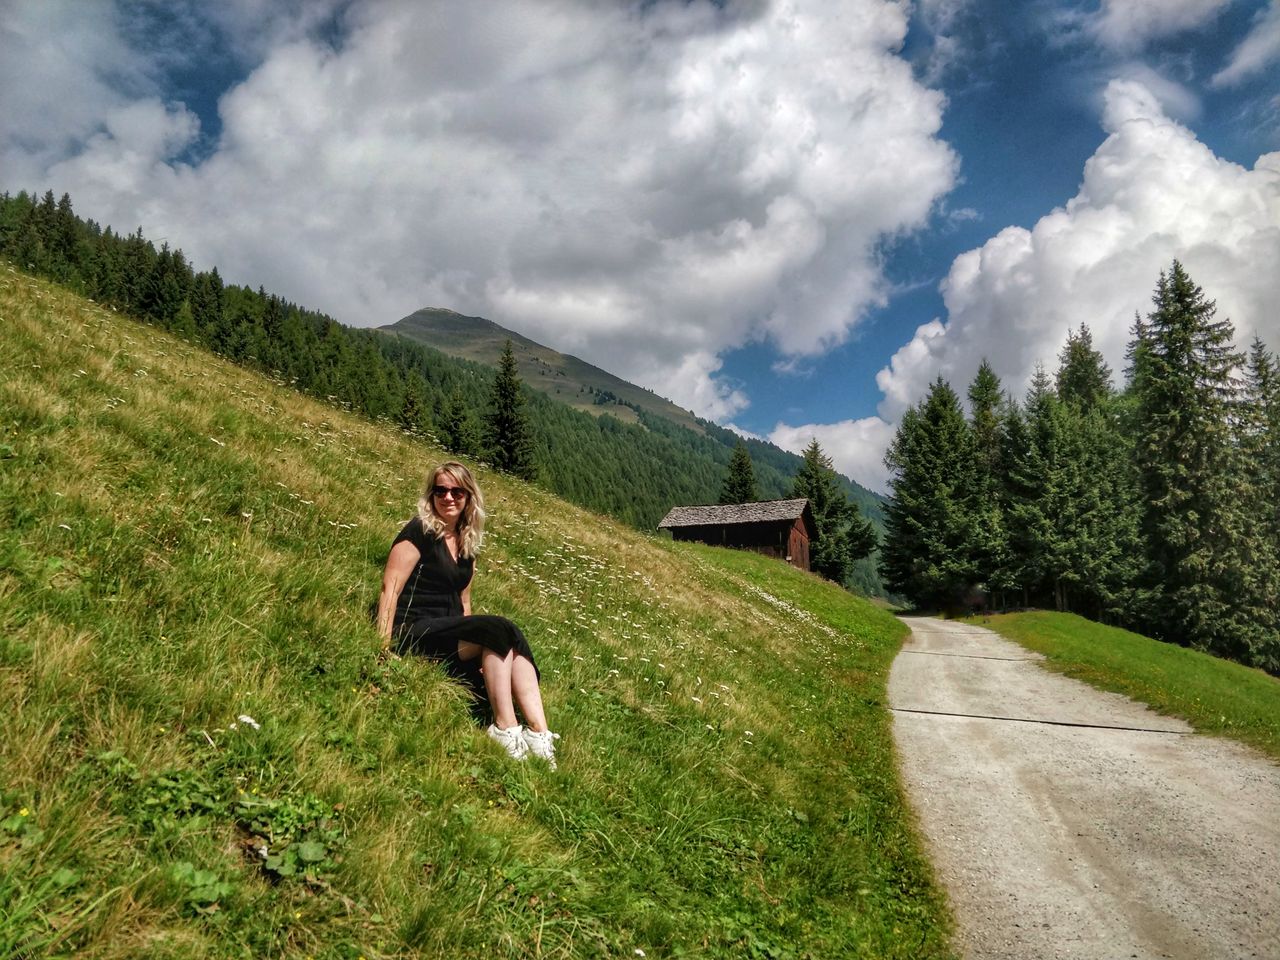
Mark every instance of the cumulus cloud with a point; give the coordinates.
(948, 29)
(1129, 25)
(1176, 99)
(1151, 193)
(856, 447)
(53, 94)
(1257, 51)
(646, 186)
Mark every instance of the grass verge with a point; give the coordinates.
(201, 756)
(1215, 696)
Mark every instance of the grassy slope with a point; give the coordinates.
(1213, 695)
(182, 542)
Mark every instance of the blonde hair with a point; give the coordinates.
(470, 523)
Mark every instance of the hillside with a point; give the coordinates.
(632, 471)
(189, 550)
(589, 389)
(567, 378)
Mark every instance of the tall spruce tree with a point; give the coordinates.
(986, 403)
(932, 544)
(458, 430)
(508, 434)
(1083, 379)
(740, 479)
(1259, 443)
(413, 408)
(1056, 503)
(1190, 474)
(1104, 498)
(843, 535)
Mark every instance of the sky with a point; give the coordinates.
(789, 216)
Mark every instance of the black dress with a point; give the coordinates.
(428, 618)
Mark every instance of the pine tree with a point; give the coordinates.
(740, 481)
(1084, 379)
(986, 402)
(413, 409)
(1189, 473)
(458, 431)
(1100, 494)
(932, 536)
(1055, 503)
(508, 434)
(1259, 443)
(843, 535)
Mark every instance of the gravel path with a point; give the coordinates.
(1067, 822)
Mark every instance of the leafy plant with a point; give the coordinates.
(299, 836)
(202, 889)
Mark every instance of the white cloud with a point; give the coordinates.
(1151, 193)
(1257, 51)
(1129, 25)
(942, 21)
(53, 56)
(856, 447)
(1176, 99)
(646, 187)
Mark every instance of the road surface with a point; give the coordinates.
(1065, 822)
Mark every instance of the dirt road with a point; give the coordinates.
(1066, 822)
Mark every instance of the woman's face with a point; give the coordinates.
(450, 505)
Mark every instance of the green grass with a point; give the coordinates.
(183, 543)
(1215, 696)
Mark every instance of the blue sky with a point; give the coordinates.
(787, 215)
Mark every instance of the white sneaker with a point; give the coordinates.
(512, 740)
(542, 745)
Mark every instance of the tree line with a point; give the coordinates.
(634, 472)
(1155, 506)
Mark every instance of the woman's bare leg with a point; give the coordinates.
(497, 682)
(508, 679)
(524, 685)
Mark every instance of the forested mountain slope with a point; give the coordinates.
(585, 387)
(201, 755)
(567, 378)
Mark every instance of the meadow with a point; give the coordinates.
(202, 755)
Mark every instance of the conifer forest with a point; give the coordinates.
(1154, 505)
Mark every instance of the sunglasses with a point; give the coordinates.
(457, 493)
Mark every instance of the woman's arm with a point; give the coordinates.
(400, 563)
(466, 600)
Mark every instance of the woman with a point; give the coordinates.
(425, 604)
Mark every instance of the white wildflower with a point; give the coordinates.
(245, 718)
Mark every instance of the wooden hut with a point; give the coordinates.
(776, 528)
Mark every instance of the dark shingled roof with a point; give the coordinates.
(763, 511)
